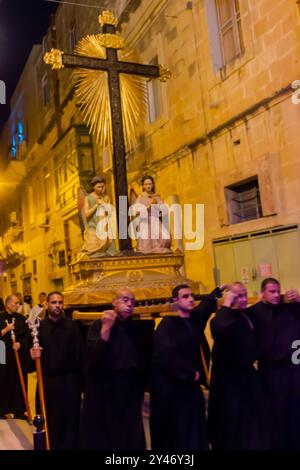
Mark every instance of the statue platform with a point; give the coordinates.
(150, 277)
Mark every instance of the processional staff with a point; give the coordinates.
(33, 325)
(205, 368)
(20, 372)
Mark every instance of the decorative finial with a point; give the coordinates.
(54, 58)
(164, 73)
(33, 325)
(12, 333)
(107, 17)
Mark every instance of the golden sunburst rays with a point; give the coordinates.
(93, 97)
(92, 92)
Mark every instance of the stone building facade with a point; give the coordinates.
(222, 132)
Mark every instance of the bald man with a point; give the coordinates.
(277, 328)
(11, 398)
(238, 410)
(112, 417)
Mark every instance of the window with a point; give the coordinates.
(230, 32)
(86, 159)
(73, 37)
(20, 132)
(73, 157)
(154, 96)
(85, 152)
(47, 188)
(225, 31)
(17, 149)
(13, 287)
(13, 148)
(85, 139)
(243, 201)
(62, 173)
(61, 258)
(58, 284)
(45, 90)
(34, 267)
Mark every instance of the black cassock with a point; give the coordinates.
(277, 327)
(62, 367)
(115, 382)
(238, 411)
(11, 398)
(177, 403)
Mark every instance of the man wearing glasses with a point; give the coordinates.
(116, 367)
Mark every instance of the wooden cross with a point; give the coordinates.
(113, 67)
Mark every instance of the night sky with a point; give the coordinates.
(22, 24)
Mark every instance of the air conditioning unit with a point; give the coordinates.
(107, 160)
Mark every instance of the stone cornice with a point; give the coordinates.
(144, 21)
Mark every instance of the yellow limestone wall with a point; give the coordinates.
(196, 100)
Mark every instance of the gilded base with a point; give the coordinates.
(96, 280)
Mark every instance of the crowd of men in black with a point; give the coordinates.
(94, 390)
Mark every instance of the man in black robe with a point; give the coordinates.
(177, 404)
(116, 366)
(11, 398)
(238, 411)
(277, 326)
(61, 352)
